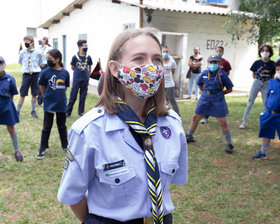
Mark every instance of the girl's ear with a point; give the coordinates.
(56, 60)
(114, 68)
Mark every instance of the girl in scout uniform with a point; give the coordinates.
(53, 82)
(125, 152)
(8, 113)
(212, 102)
(270, 119)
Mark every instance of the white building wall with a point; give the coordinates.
(233, 4)
(17, 15)
(206, 32)
(101, 20)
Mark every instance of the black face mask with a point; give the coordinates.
(39, 42)
(50, 63)
(27, 45)
(85, 49)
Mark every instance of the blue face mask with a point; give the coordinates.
(213, 67)
(165, 55)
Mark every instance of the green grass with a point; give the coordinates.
(222, 188)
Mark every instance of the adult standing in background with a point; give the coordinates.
(44, 47)
(169, 66)
(224, 64)
(263, 70)
(30, 60)
(81, 65)
(195, 63)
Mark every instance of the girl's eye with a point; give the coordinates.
(158, 59)
(138, 59)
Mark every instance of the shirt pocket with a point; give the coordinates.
(119, 186)
(168, 170)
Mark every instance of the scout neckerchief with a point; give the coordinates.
(29, 57)
(217, 75)
(146, 131)
(84, 66)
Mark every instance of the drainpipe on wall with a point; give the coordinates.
(141, 15)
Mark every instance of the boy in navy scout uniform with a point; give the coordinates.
(81, 65)
(30, 60)
(270, 119)
(53, 82)
(123, 154)
(8, 114)
(212, 101)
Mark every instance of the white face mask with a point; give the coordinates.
(265, 54)
(2, 67)
(277, 75)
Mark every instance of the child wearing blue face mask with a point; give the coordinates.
(212, 102)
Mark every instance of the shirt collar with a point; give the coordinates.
(113, 123)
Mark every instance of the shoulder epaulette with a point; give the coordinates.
(173, 114)
(90, 116)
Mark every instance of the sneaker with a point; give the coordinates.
(229, 148)
(188, 98)
(41, 154)
(33, 114)
(203, 120)
(19, 157)
(259, 156)
(242, 125)
(190, 138)
(81, 114)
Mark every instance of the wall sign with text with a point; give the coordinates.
(213, 44)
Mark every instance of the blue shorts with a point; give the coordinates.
(269, 123)
(212, 107)
(29, 81)
(8, 113)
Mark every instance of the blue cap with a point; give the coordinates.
(2, 60)
(214, 57)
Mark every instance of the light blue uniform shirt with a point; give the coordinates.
(44, 50)
(121, 192)
(30, 60)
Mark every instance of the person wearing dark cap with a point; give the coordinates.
(212, 102)
(8, 113)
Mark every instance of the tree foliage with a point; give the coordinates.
(258, 21)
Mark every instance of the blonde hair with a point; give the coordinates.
(112, 86)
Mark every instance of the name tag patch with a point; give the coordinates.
(117, 172)
(114, 165)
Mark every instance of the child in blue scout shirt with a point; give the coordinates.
(270, 119)
(123, 154)
(263, 70)
(53, 82)
(30, 60)
(81, 65)
(8, 114)
(212, 101)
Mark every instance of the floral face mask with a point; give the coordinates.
(141, 81)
